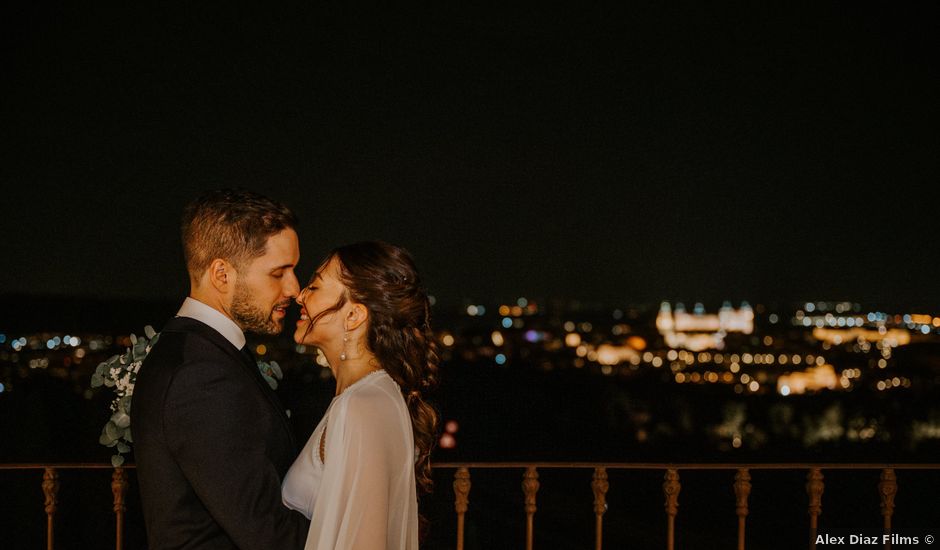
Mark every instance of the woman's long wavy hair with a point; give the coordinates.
(383, 278)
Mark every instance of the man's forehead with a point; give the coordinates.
(281, 249)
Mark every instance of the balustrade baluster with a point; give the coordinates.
(814, 487)
(119, 489)
(50, 489)
(530, 486)
(462, 492)
(671, 488)
(599, 485)
(742, 489)
(887, 487)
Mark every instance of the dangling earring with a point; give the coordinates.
(342, 356)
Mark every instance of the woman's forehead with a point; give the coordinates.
(329, 270)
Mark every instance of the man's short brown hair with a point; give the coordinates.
(231, 224)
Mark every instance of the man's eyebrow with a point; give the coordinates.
(285, 266)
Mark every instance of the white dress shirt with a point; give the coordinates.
(194, 309)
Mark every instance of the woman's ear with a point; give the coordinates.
(356, 315)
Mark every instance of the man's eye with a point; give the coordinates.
(277, 275)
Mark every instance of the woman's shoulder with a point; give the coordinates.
(373, 397)
(374, 385)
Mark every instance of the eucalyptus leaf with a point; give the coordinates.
(121, 419)
(96, 380)
(113, 430)
(105, 439)
(276, 370)
(149, 332)
(127, 435)
(271, 382)
(123, 448)
(133, 339)
(117, 460)
(140, 350)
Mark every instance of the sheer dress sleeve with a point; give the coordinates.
(366, 499)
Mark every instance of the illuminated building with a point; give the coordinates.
(698, 330)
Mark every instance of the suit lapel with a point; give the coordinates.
(243, 359)
(249, 362)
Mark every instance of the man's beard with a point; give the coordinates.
(250, 317)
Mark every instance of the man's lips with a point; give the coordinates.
(281, 309)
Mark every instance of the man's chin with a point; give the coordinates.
(273, 328)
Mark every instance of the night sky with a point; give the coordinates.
(687, 153)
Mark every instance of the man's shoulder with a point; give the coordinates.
(186, 344)
(193, 337)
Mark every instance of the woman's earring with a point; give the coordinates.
(342, 356)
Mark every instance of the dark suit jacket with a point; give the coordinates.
(212, 444)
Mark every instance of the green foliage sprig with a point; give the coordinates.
(120, 373)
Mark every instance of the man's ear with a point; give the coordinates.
(222, 276)
(356, 315)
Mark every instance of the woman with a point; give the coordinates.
(358, 475)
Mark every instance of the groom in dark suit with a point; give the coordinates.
(211, 441)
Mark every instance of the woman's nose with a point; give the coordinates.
(300, 297)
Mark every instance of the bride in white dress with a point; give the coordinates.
(359, 474)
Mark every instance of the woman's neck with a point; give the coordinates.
(352, 370)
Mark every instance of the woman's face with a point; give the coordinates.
(323, 293)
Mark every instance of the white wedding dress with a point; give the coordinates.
(363, 495)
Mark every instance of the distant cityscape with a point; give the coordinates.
(822, 346)
(815, 349)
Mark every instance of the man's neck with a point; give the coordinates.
(195, 308)
(213, 300)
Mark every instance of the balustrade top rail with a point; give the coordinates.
(694, 465)
(63, 466)
(549, 465)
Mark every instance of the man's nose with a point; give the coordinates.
(292, 287)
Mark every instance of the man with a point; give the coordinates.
(211, 441)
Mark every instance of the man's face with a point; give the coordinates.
(266, 286)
